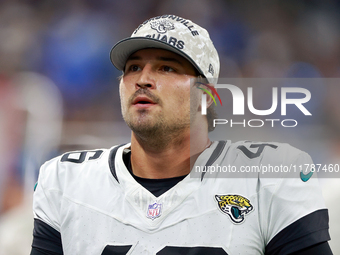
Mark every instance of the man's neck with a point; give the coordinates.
(167, 161)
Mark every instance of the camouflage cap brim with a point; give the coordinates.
(123, 49)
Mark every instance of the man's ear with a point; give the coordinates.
(210, 92)
(210, 97)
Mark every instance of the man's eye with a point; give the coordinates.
(167, 69)
(134, 68)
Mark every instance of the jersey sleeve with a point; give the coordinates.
(46, 240)
(296, 216)
(46, 205)
(320, 248)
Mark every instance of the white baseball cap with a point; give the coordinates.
(175, 34)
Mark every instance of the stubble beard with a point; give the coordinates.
(159, 130)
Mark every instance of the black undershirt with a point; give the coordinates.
(156, 186)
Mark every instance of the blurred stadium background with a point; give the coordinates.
(59, 91)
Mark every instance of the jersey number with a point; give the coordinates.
(79, 157)
(260, 147)
(168, 250)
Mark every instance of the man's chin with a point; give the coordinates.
(143, 127)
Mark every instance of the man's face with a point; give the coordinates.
(155, 92)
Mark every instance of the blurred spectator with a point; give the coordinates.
(19, 46)
(11, 135)
(76, 57)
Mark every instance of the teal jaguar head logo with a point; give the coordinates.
(235, 206)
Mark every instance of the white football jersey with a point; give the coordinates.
(91, 198)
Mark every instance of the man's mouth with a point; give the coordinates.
(143, 101)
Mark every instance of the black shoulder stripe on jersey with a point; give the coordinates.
(46, 238)
(320, 248)
(112, 158)
(305, 232)
(216, 153)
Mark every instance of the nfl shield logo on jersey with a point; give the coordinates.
(154, 211)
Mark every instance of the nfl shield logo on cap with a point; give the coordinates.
(154, 211)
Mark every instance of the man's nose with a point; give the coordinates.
(146, 78)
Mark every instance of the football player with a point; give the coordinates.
(140, 198)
